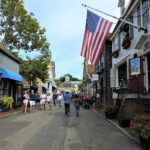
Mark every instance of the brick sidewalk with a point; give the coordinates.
(10, 112)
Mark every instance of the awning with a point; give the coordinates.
(10, 75)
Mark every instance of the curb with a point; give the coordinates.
(11, 114)
(121, 129)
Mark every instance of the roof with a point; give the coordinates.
(7, 52)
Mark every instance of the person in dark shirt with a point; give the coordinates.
(67, 99)
(77, 104)
(32, 100)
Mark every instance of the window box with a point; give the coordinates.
(115, 53)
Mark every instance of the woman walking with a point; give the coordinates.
(25, 100)
(42, 100)
(49, 100)
(32, 100)
(77, 104)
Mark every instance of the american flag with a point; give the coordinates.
(95, 35)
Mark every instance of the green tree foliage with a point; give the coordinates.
(19, 29)
(38, 67)
(60, 80)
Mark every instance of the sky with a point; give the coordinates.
(64, 21)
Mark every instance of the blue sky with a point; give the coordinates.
(64, 21)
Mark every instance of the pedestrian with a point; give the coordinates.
(25, 100)
(93, 100)
(37, 99)
(60, 98)
(42, 100)
(67, 100)
(54, 98)
(49, 100)
(77, 104)
(32, 101)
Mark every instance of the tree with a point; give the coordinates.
(38, 67)
(19, 29)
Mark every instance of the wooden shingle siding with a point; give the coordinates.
(8, 63)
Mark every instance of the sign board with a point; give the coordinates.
(94, 77)
(90, 69)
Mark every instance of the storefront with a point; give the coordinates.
(11, 85)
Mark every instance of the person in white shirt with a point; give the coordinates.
(49, 100)
(60, 98)
(25, 100)
(42, 100)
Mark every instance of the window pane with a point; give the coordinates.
(139, 16)
(145, 12)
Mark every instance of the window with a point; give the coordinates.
(116, 43)
(145, 12)
(139, 16)
(131, 28)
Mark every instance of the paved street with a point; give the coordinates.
(45, 130)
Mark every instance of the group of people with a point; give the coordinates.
(30, 99)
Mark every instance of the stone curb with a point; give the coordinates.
(8, 115)
(121, 129)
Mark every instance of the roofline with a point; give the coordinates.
(8, 53)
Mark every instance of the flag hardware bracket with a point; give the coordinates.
(125, 21)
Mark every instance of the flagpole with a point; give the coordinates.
(125, 21)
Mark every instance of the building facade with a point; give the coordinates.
(131, 51)
(11, 80)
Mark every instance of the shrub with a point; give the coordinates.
(141, 124)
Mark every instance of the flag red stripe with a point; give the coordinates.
(99, 38)
(83, 50)
(96, 35)
(101, 48)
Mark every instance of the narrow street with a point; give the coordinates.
(45, 130)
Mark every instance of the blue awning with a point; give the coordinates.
(10, 75)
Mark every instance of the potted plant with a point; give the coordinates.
(111, 111)
(141, 124)
(6, 103)
(124, 122)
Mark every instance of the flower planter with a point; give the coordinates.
(111, 115)
(115, 53)
(124, 122)
(126, 43)
(145, 143)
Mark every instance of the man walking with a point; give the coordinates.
(67, 99)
